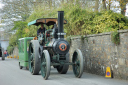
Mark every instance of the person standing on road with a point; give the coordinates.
(5, 53)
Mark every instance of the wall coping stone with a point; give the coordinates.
(100, 34)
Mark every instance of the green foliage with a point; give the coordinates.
(82, 39)
(86, 38)
(115, 37)
(80, 22)
(20, 27)
(109, 21)
(12, 43)
(10, 49)
(13, 40)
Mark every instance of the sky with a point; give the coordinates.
(1, 5)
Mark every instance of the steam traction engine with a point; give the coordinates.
(2, 52)
(50, 49)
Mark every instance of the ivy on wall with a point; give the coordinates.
(115, 37)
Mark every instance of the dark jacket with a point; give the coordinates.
(40, 30)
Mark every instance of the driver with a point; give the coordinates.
(41, 30)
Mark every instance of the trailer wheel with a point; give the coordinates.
(45, 64)
(20, 66)
(33, 58)
(63, 69)
(78, 65)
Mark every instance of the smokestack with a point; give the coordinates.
(60, 24)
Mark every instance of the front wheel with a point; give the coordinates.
(78, 65)
(45, 64)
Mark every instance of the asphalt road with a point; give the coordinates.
(10, 74)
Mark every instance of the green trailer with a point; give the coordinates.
(23, 44)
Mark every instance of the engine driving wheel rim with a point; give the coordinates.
(43, 66)
(31, 59)
(76, 65)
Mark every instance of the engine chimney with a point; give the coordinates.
(60, 24)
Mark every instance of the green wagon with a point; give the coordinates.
(23, 44)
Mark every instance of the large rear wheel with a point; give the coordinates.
(62, 69)
(78, 65)
(33, 58)
(45, 64)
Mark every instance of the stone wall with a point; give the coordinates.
(99, 52)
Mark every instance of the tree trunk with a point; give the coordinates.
(54, 3)
(123, 6)
(77, 2)
(96, 5)
(104, 4)
(50, 3)
(109, 5)
(62, 2)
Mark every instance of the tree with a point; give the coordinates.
(50, 3)
(96, 5)
(62, 1)
(15, 10)
(104, 4)
(123, 6)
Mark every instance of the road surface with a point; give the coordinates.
(10, 74)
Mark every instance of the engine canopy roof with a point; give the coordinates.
(47, 21)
